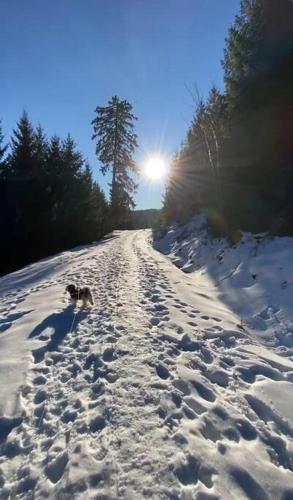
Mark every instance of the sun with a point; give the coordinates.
(155, 168)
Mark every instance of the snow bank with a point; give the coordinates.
(254, 277)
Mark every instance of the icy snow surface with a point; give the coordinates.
(173, 386)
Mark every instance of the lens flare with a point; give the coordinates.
(155, 169)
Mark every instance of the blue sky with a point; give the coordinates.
(61, 58)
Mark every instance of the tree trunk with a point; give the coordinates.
(114, 172)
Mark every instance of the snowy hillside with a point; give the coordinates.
(172, 386)
(254, 278)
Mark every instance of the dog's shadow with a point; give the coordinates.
(61, 323)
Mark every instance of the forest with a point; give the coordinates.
(48, 199)
(236, 162)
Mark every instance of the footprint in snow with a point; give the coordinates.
(7, 424)
(162, 371)
(195, 405)
(55, 469)
(109, 354)
(248, 484)
(187, 470)
(203, 391)
(40, 380)
(206, 355)
(111, 376)
(97, 424)
(219, 377)
(187, 344)
(40, 396)
(154, 321)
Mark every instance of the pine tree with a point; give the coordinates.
(236, 161)
(72, 197)
(195, 180)
(27, 163)
(21, 162)
(5, 197)
(53, 174)
(72, 159)
(258, 70)
(92, 207)
(115, 145)
(23, 148)
(75, 213)
(41, 151)
(259, 47)
(48, 198)
(3, 151)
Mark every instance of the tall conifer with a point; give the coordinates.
(116, 143)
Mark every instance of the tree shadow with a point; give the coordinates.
(61, 323)
(41, 270)
(8, 321)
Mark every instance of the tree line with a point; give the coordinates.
(49, 200)
(236, 163)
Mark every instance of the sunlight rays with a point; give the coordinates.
(155, 169)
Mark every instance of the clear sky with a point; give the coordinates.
(59, 59)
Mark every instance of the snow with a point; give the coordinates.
(174, 385)
(254, 277)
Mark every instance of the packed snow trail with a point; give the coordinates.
(155, 392)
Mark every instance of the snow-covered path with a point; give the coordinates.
(156, 392)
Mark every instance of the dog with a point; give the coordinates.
(84, 294)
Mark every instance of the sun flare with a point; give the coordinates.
(155, 168)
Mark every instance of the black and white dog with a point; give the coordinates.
(84, 294)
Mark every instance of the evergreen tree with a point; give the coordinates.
(62, 165)
(5, 227)
(26, 197)
(48, 199)
(236, 161)
(53, 174)
(93, 207)
(72, 196)
(75, 212)
(3, 152)
(41, 151)
(38, 190)
(72, 159)
(115, 146)
(196, 175)
(258, 68)
(259, 45)
(23, 148)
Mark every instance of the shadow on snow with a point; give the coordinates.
(62, 323)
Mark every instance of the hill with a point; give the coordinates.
(143, 219)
